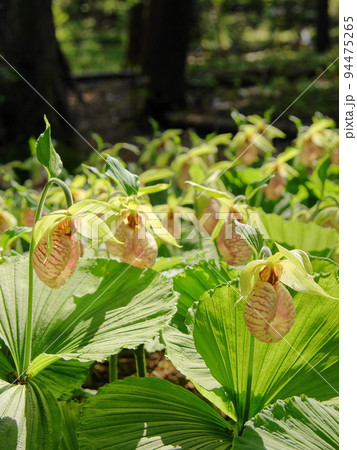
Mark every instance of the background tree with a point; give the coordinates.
(159, 41)
(28, 42)
(322, 26)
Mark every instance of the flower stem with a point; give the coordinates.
(28, 331)
(65, 189)
(249, 380)
(195, 206)
(140, 360)
(113, 368)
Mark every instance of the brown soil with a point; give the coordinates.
(156, 365)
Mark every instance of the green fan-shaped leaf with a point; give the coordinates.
(70, 411)
(29, 417)
(305, 362)
(6, 366)
(297, 423)
(63, 377)
(180, 348)
(194, 281)
(150, 413)
(308, 237)
(104, 306)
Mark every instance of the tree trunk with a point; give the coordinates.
(322, 26)
(29, 43)
(164, 35)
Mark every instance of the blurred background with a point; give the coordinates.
(110, 66)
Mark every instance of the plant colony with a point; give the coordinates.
(222, 252)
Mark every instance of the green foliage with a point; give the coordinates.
(309, 237)
(218, 337)
(194, 281)
(123, 177)
(295, 423)
(91, 313)
(192, 302)
(30, 417)
(151, 413)
(11, 234)
(70, 411)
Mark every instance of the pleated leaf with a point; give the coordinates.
(104, 306)
(309, 237)
(63, 377)
(70, 411)
(29, 417)
(194, 281)
(180, 348)
(304, 363)
(297, 423)
(150, 414)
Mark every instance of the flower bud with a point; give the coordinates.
(328, 217)
(234, 249)
(138, 247)
(60, 264)
(269, 313)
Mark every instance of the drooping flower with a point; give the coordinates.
(247, 153)
(183, 176)
(211, 209)
(335, 156)
(275, 187)
(233, 248)
(7, 220)
(138, 247)
(310, 153)
(269, 312)
(27, 217)
(328, 217)
(55, 268)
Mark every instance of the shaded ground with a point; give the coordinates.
(156, 364)
(108, 107)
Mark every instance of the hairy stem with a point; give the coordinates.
(28, 332)
(140, 361)
(195, 205)
(249, 380)
(113, 368)
(28, 335)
